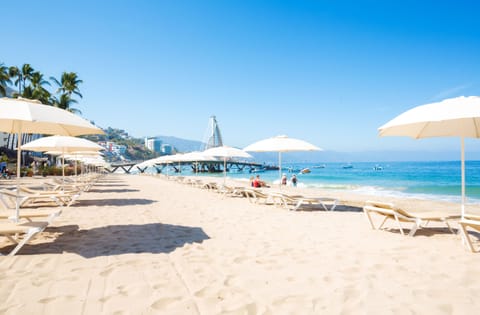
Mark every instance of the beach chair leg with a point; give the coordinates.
(367, 214)
(334, 205)
(399, 225)
(414, 229)
(466, 239)
(324, 206)
(31, 233)
(297, 206)
(383, 222)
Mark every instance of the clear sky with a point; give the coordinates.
(329, 72)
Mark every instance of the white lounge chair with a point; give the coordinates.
(469, 221)
(419, 220)
(258, 196)
(20, 233)
(297, 202)
(31, 197)
(32, 215)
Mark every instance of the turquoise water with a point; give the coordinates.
(431, 180)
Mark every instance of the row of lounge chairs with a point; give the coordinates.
(265, 196)
(388, 211)
(38, 207)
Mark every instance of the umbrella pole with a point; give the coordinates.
(280, 167)
(19, 162)
(463, 176)
(63, 166)
(224, 169)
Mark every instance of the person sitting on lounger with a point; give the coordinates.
(257, 182)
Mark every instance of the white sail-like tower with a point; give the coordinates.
(213, 137)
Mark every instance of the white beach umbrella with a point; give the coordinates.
(281, 144)
(76, 156)
(197, 156)
(64, 144)
(226, 152)
(19, 116)
(454, 117)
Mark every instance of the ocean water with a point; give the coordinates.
(428, 180)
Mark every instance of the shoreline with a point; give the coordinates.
(347, 197)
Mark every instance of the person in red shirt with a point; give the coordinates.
(257, 183)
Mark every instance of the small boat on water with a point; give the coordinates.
(305, 171)
(258, 170)
(320, 166)
(377, 168)
(347, 166)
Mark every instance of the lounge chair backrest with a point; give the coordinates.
(379, 204)
(388, 206)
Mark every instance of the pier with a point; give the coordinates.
(196, 167)
(208, 166)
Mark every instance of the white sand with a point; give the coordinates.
(146, 245)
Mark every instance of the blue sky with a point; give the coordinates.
(329, 72)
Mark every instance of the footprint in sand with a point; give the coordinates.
(47, 300)
(250, 309)
(106, 272)
(165, 302)
(235, 282)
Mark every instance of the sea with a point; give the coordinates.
(437, 180)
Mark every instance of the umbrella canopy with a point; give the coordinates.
(65, 144)
(454, 117)
(226, 152)
(30, 116)
(196, 156)
(281, 144)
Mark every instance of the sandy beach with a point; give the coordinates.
(146, 245)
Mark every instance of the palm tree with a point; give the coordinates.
(68, 84)
(14, 72)
(27, 73)
(21, 75)
(4, 79)
(65, 102)
(39, 92)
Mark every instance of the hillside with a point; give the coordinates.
(181, 145)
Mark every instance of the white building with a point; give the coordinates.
(153, 144)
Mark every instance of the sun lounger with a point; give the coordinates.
(469, 221)
(231, 191)
(27, 197)
(59, 185)
(20, 233)
(297, 202)
(210, 186)
(258, 196)
(419, 220)
(32, 215)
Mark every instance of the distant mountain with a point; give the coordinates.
(181, 145)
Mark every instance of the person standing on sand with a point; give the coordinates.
(294, 180)
(284, 179)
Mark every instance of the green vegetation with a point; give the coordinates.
(32, 84)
